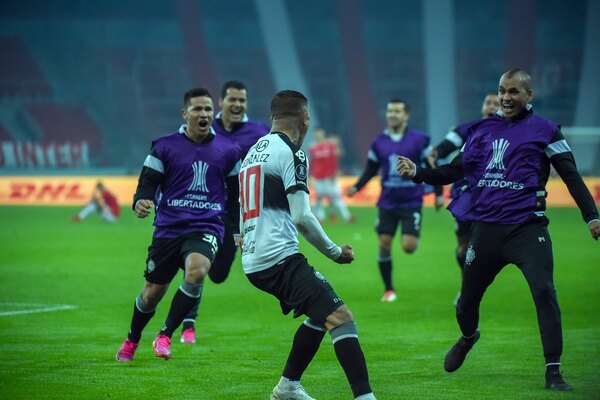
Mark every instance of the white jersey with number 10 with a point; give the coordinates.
(273, 168)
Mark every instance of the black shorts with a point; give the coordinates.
(167, 256)
(462, 228)
(299, 287)
(388, 220)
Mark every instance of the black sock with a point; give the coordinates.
(353, 362)
(139, 320)
(180, 307)
(304, 347)
(385, 267)
(190, 319)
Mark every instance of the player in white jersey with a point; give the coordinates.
(275, 206)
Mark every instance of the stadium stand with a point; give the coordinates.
(61, 123)
(19, 73)
(4, 135)
(103, 57)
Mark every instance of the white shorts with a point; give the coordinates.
(327, 187)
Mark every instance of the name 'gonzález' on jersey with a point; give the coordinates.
(273, 168)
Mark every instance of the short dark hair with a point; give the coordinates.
(399, 100)
(195, 92)
(232, 85)
(288, 103)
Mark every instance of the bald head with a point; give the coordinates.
(521, 76)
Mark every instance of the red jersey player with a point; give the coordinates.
(103, 202)
(324, 156)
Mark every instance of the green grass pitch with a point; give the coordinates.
(46, 260)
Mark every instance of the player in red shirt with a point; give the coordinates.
(324, 155)
(103, 202)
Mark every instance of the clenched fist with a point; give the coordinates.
(406, 168)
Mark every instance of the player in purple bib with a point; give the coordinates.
(506, 161)
(452, 143)
(189, 178)
(231, 123)
(401, 200)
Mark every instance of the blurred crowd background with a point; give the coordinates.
(86, 85)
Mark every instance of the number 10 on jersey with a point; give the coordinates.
(250, 192)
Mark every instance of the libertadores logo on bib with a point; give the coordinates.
(499, 147)
(199, 183)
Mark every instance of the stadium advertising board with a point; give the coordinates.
(76, 190)
(61, 190)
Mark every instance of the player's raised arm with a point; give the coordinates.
(406, 167)
(443, 175)
(563, 161)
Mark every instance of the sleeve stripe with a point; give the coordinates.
(154, 163)
(295, 188)
(454, 138)
(426, 152)
(372, 156)
(557, 147)
(235, 170)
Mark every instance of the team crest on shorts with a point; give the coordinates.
(150, 266)
(321, 277)
(470, 256)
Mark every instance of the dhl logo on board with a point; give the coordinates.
(74, 190)
(58, 191)
(27, 191)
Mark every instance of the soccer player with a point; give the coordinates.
(274, 198)
(232, 123)
(104, 202)
(324, 159)
(185, 178)
(453, 141)
(506, 161)
(401, 200)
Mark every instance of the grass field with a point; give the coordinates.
(45, 261)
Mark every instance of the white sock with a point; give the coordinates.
(368, 396)
(287, 385)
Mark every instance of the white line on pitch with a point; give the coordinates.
(6, 303)
(57, 307)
